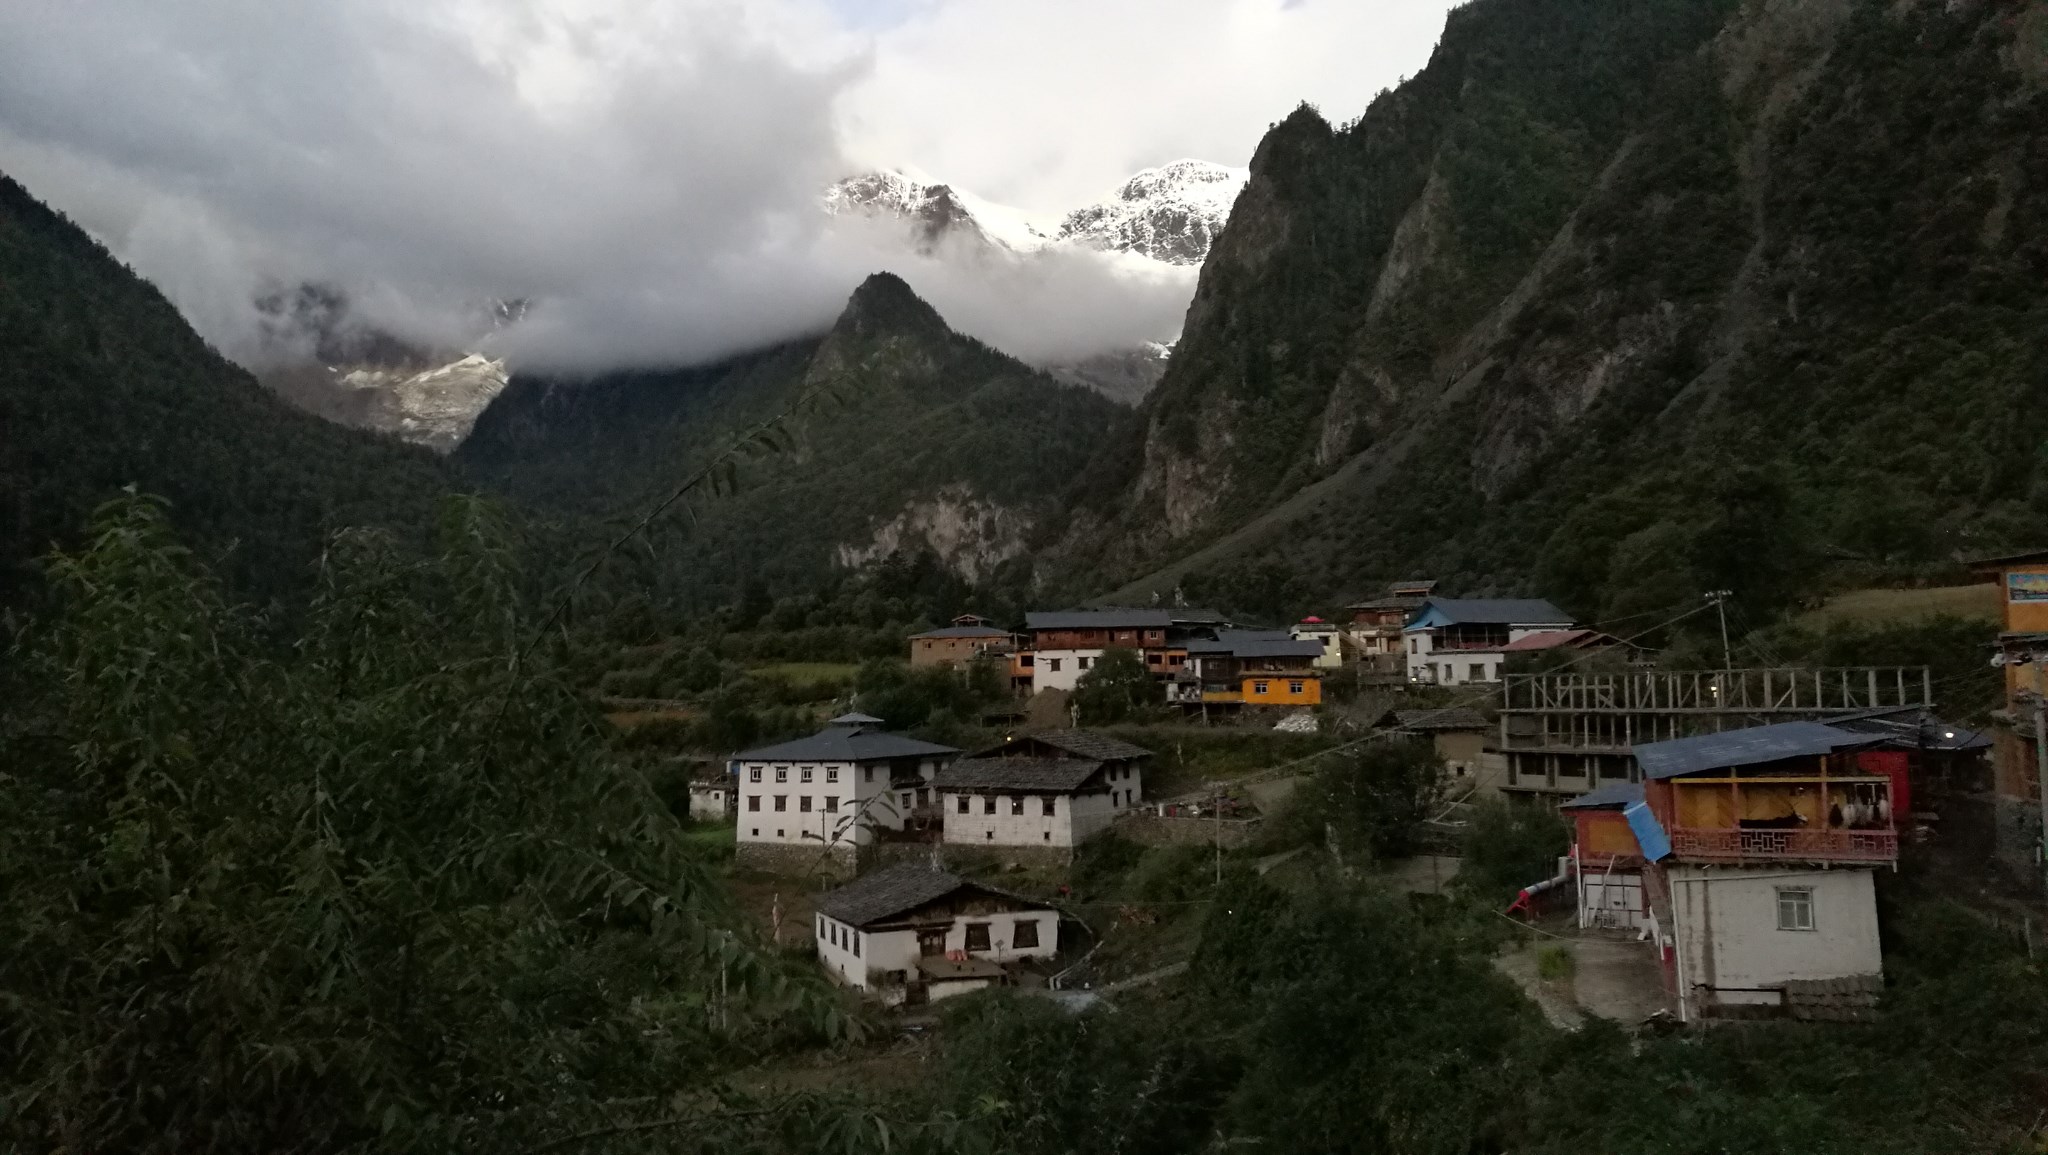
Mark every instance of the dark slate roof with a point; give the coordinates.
(1498, 611)
(898, 889)
(1256, 644)
(1100, 620)
(1613, 796)
(844, 743)
(1750, 747)
(1453, 718)
(1391, 602)
(964, 632)
(855, 718)
(1029, 775)
(1089, 744)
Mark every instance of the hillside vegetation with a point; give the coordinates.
(1621, 303)
(103, 385)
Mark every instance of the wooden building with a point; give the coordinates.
(969, 637)
(1456, 641)
(1238, 668)
(2020, 806)
(1066, 644)
(1375, 628)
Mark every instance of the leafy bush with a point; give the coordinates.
(1507, 847)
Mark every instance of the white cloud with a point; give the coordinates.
(646, 169)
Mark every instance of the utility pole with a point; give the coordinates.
(1720, 600)
(2041, 754)
(1219, 836)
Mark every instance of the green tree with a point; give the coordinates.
(1117, 688)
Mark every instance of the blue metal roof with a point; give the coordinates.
(1613, 796)
(1750, 747)
(1490, 612)
(1650, 836)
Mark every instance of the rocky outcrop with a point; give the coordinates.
(969, 535)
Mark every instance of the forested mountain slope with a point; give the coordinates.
(1620, 303)
(909, 438)
(103, 384)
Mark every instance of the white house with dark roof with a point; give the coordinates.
(1453, 641)
(909, 934)
(1050, 791)
(825, 796)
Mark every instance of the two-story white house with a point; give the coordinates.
(1050, 791)
(910, 934)
(814, 802)
(1454, 641)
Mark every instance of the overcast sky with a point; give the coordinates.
(647, 170)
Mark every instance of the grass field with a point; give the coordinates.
(1882, 607)
(806, 671)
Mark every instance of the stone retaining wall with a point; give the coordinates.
(796, 859)
(1154, 830)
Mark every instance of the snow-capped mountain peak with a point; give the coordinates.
(937, 211)
(1170, 213)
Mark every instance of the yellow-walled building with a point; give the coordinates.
(2023, 648)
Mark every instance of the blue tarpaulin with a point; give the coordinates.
(1649, 832)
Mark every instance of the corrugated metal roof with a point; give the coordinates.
(1089, 744)
(1099, 620)
(964, 632)
(1546, 640)
(899, 889)
(1026, 775)
(1450, 718)
(1256, 644)
(1613, 796)
(845, 743)
(1749, 747)
(1492, 612)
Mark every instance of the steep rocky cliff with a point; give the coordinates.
(1622, 302)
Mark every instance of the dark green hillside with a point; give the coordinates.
(914, 439)
(1625, 303)
(102, 384)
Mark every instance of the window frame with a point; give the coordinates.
(1796, 901)
(1020, 929)
(967, 942)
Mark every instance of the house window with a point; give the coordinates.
(1294, 687)
(977, 936)
(856, 945)
(821, 926)
(963, 802)
(1025, 661)
(804, 775)
(804, 804)
(1024, 932)
(831, 803)
(906, 801)
(831, 773)
(1795, 908)
(1053, 664)
(754, 833)
(753, 802)
(988, 804)
(781, 802)
(867, 773)
(1017, 804)
(754, 774)
(1049, 807)
(1153, 659)
(782, 773)
(1258, 687)
(1083, 663)
(1478, 673)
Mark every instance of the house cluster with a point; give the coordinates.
(818, 804)
(1209, 662)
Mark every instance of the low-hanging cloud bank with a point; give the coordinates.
(645, 172)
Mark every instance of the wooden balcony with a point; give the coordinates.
(1791, 845)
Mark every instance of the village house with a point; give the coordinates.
(1456, 641)
(1462, 737)
(1239, 668)
(1606, 862)
(969, 637)
(1067, 644)
(1376, 625)
(2020, 806)
(813, 803)
(912, 934)
(1046, 792)
(712, 797)
(1325, 634)
(1758, 852)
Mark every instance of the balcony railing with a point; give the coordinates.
(1784, 845)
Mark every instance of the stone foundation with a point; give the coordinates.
(1154, 830)
(796, 859)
